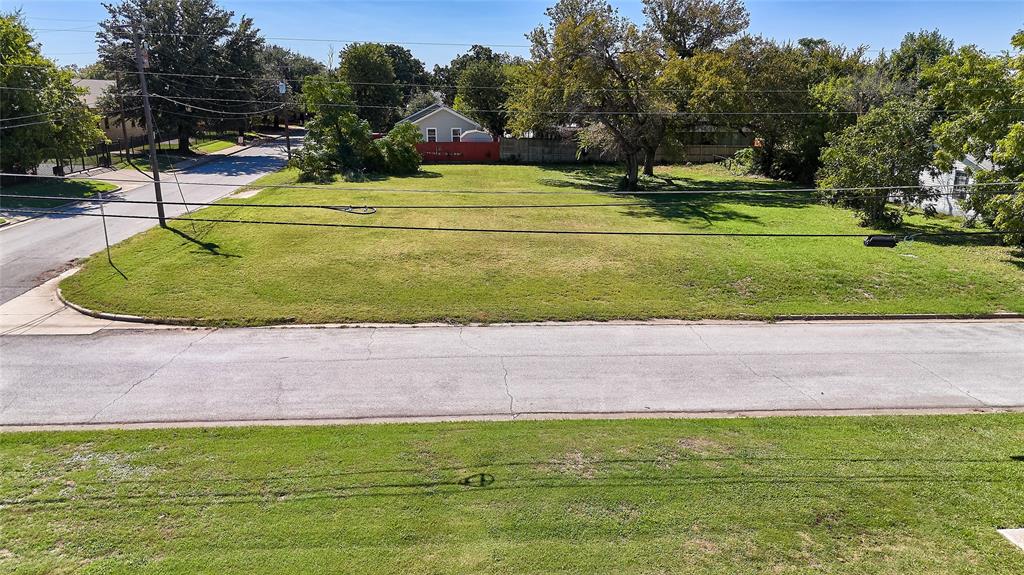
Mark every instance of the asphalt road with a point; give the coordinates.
(507, 371)
(35, 251)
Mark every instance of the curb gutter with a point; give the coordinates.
(198, 322)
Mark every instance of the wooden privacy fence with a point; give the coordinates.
(446, 152)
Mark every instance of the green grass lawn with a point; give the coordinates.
(70, 189)
(858, 495)
(214, 146)
(249, 274)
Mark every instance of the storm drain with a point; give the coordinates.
(1015, 536)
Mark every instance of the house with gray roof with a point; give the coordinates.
(439, 123)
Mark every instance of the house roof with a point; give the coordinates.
(95, 89)
(433, 109)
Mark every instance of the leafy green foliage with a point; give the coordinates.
(371, 77)
(691, 26)
(410, 74)
(591, 67)
(398, 149)
(917, 52)
(339, 142)
(481, 95)
(446, 78)
(986, 122)
(192, 37)
(41, 110)
(889, 146)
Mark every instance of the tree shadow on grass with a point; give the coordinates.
(1017, 259)
(208, 247)
(420, 174)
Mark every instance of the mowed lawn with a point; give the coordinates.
(259, 274)
(859, 496)
(67, 190)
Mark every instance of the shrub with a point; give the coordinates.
(398, 149)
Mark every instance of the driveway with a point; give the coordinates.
(401, 373)
(37, 250)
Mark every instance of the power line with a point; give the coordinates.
(223, 112)
(677, 191)
(757, 196)
(487, 87)
(508, 230)
(589, 112)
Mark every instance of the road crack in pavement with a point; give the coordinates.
(150, 376)
(508, 391)
(701, 338)
(466, 343)
(813, 399)
(369, 343)
(944, 380)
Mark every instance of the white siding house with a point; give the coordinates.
(439, 123)
(954, 184)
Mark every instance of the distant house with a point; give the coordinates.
(954, 184)
(110, 123)
(439, 123)
(448, 136)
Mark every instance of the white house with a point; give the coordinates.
(954, 184)
(439, 123)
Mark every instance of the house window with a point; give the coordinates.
(456, 134)
(960, 183)
(431, 134)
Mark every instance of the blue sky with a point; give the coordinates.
(879, 24)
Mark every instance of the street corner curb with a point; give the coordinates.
(123, 317)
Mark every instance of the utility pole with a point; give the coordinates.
(149, 131)
(282, 89)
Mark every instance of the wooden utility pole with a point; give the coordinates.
(149, 130)
(282, 89)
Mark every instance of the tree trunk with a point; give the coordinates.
(632, 169)
(649, 156)
(183, 136)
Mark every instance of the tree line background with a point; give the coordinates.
(819, 112)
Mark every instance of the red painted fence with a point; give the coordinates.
(448, 152)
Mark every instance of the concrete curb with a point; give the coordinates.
(499, 417)
(198, 322)
(124, 317)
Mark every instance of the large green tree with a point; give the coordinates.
(887, 147)
(917, 52)
(410, 74)
(446, 78)
(371, 78)
(691, 26)
(591, 67)
(984, 99)
(41, 112)
(481, 95)
(198, 60)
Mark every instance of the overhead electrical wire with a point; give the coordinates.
(677, 191)
(347, 207)
(504, 230)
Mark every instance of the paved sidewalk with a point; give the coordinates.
(40, 312)
(188, 376)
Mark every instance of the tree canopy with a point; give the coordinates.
(197, 55)
(368, 70)
(985, 122)
(41, 112)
